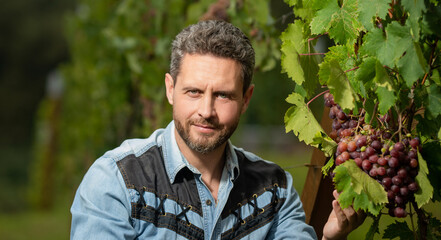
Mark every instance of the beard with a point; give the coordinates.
(205, 143)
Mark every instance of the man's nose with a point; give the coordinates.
(206, 107)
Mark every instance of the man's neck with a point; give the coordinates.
(210, 165)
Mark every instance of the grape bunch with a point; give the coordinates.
(390, 161)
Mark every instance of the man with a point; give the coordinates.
(188, 181)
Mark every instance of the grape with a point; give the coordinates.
(345, 156)
(354, 154)
(390, 195)
(399, 146)
(397, 180)
(382, 161)
(361, 141)
(413, 163)
(399, 200)
(342, 146)
(402, 173)
(376, 145)
(358, 161)
(370, 151)
(341, 115)
(387, 182)
(336, 124)
(366, 165)
(413, 186)
(414, 142)
(373, 172)
(381, 171)
(353, 124)
(393, 162)
(399, 212)
(404, 191)
(373, 159)
(412, 154)
(395, 188)
(352, 146)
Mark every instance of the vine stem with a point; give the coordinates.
(411, 221)
(374, 113)
(430, 61)
(352, 69)
(310, 54)
(422, 221)
(318, 95)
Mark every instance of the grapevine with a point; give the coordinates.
(380, 81)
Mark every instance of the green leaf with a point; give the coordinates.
(341, 22)
(434, 229)
(365, 73)
(339, 86)
(357, 188)
(373, 229)
(398, 230)
(425, 192)
(370, 9)
(301, 121)
(388, 49)
(385, 90)
(434, 100)
(412, 65)
(414, 8)
(325, 144)
(303, 69)
(328, 166)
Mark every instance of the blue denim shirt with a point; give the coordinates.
(110, 205)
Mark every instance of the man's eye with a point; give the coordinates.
(222, 95)
(193, 92)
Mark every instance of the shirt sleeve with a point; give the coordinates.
(289, 222)
(101, 208)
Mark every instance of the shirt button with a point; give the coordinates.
(208, 202)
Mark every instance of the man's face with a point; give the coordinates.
(207, 101)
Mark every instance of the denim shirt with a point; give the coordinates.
(146, 189)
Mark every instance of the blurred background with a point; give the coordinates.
(77, 77)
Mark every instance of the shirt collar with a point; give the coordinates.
(174, 160)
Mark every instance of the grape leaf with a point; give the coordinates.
(410, 69)
(365, 74)
(434, 100)
(357, 188)
(425, 192)
(390, 48)
(328, 166)
(325, 144)
(300, 120)
(434, 228)
(432, 152)
(302, 69)
(385, 90)
(340, 22)
(398, 230)
(415, 8)
(290, 62)
(370, 9)
(339, 86)
(373, 228)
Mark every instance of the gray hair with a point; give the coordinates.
(217, 38)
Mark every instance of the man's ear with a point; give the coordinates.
(169, 87)
(247, 98)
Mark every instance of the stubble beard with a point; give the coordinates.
(204, 144)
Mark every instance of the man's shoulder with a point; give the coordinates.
(251, 165)
(135, 147)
